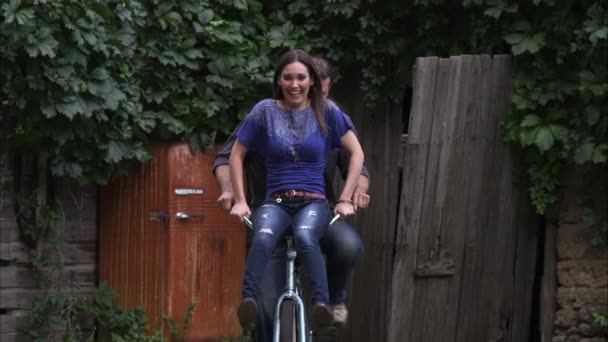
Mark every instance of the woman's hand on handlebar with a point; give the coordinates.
(240, 209)
(344, 209)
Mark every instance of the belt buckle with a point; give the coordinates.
(290, 193)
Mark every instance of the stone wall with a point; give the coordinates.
(582, 271)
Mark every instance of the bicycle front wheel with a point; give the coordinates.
(288, 322)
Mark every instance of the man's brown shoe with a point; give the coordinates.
(321, 317)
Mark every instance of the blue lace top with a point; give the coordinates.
(292, 145)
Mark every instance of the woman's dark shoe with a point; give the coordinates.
(321, 317)
(248, 314)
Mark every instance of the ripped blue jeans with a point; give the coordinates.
(310, 218)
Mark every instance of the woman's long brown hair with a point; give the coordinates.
(314, 93)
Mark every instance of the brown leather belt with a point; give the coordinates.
(293, 193)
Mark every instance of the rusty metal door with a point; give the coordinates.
(165, 243)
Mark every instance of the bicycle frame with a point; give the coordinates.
(291, 293)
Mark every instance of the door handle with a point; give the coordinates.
(158, 216)
(184, 216)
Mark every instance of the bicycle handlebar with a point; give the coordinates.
(333, 220)
(249, 224)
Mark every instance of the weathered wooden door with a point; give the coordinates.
(466, 238)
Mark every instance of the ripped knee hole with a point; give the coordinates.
(266, 231)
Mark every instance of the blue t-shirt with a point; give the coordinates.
(292, 145)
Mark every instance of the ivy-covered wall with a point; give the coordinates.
(84, 85)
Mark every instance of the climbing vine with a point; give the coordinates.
(87, 84)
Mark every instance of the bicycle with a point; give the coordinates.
(288, 317)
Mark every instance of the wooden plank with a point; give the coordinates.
(75, 203)
(22, 298)
(56, 337)
(14, 320)
(22, 276)
(454, 225)
(525, 263)
(490, 321)
(377, 224)
(408, 227)
(431, 245)
(476, 209)
(421, 110)
(71, 231)
(12, 337)
(70, 253)
(19, 321)
(549, 285)
(506, 207)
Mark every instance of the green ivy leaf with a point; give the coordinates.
(530, 121)
(73, 106)
(116, 151)
(592, 116)
(584, 153)
(529, 44)
(600, 153)
(544, 139)
(559, 132)
(41, 43)
(193, 53)
(205, 16)
(514, 38)
(100, 74)
(24, 15)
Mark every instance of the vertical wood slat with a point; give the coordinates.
(430, 245)
(549, 285)
(370, 287)
(412, 188)
(469, 214)
(482, 212)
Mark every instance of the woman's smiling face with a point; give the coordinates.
(295, 82)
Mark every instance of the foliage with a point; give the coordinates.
(64, 308)
(92, 81)
(88, 82)
(600, 319)
(62, 312)
(560, 75)
(560, 90)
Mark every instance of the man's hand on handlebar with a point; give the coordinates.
(360, 200)
(360, 197)
(225, 200)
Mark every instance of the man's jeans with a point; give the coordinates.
(342, 247)
(308, 219)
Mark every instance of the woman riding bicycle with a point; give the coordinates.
(293, 132)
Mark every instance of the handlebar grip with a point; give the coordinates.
(333, 220)
(248, 222)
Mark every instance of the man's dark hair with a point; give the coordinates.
(322, 66)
